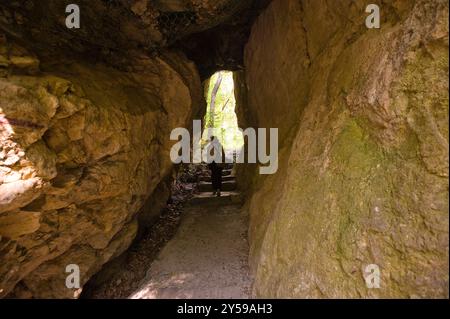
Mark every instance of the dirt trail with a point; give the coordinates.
(197, 249)
(207, 258)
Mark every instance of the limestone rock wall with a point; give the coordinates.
(82, 147)
(112, 31)
(363, 178)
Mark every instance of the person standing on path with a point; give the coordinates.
(216, 166)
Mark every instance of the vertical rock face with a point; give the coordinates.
(82, 148)
(363, 118)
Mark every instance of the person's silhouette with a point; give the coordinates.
(216, 167)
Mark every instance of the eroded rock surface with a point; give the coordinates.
(112, 31)
(363, 127)
(82, 148)
(363, 178)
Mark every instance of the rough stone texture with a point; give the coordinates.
(112, 30)
(81, 149)
(363, 118)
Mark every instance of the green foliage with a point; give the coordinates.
(224, 119)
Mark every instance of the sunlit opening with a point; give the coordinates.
(220, 119)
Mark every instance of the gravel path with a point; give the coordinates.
(207, 258)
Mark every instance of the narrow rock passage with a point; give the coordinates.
(207, 258)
